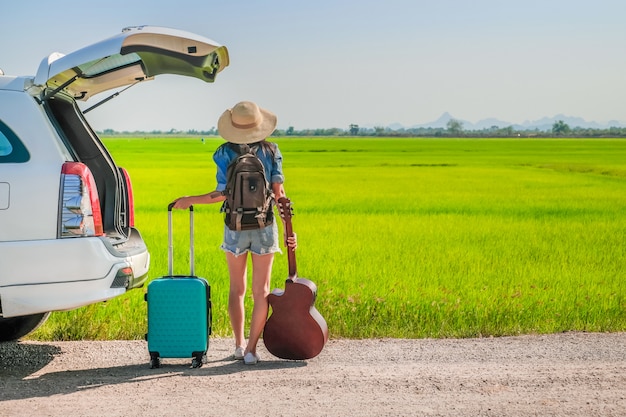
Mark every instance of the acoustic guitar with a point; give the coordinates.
(295, 329)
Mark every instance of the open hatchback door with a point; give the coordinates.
(136, 54)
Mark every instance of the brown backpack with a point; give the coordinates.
(248, 193)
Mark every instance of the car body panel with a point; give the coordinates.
(13, 83)
(34, 184)
(5, 193)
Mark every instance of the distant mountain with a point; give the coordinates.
(442, 121)
(544, 123)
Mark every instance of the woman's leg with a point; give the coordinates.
(237, 270)
(261, 274)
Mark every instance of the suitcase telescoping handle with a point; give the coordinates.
(170, 247)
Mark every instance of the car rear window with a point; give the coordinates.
(11, 148)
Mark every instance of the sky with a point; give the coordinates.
(331, 63)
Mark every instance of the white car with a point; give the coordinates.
(67, 235)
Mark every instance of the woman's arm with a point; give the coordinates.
(209, 198)
(279, 191)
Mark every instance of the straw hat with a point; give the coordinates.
(246, 123)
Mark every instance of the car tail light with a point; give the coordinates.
(80, 205)
(130, 210)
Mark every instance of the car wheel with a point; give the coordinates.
(12, 328)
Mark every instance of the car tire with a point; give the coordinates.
(12, 328)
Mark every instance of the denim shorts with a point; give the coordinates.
(258, 241)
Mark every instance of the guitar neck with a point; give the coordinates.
(285, 207)
(291, 253)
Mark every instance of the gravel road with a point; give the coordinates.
(570, 374)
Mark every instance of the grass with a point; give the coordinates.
(406, 237)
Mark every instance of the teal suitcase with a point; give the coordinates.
(179, 311)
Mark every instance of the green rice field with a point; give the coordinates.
(405, 238)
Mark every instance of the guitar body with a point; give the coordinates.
(295, 330)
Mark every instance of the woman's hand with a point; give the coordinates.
(292, 242)
(182, 203)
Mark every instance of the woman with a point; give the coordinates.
(247, 123)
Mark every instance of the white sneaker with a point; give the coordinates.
(251, 358)
(238, 353)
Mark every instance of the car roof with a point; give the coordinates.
(136, 54)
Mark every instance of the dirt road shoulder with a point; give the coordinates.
(573, 374)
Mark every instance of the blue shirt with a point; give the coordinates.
(224, 155)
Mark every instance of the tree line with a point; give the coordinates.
(454, 128)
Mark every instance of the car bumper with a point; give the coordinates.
(63, 274)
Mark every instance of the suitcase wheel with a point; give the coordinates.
(197, 360)
(155, 361)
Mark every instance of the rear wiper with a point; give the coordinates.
(112, 96)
